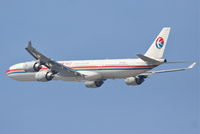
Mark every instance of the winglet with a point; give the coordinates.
(29, 43)
(29, 48)
(192, 65)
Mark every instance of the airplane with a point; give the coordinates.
(94, 72)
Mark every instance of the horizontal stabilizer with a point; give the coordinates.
(177, 62)
(147, 59)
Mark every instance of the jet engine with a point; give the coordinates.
(44, 76)
(32, 66)
(93, 84)
(134, 80)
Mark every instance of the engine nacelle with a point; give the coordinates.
(44, 76)
(93, 84)
(32, 66)
(134, 81)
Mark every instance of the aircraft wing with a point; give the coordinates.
(54, 66)
(147, 74)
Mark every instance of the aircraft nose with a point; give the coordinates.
(14, 69)
(9, 71)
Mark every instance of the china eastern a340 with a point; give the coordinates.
(94, 72)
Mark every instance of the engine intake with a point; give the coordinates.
(93, 84)
(134, 80)
(44, 76)
(32, 66)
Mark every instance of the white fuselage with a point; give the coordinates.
(92, 69)
(94, 72)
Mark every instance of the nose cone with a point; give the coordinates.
(15, 69)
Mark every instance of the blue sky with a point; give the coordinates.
(90, 29)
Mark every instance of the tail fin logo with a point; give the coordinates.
(159, 42)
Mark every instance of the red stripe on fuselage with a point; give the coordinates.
(12, 70)
(110, 66)
(91, 67)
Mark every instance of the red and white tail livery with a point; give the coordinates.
(157, 48)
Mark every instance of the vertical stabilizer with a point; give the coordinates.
(157, 48)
